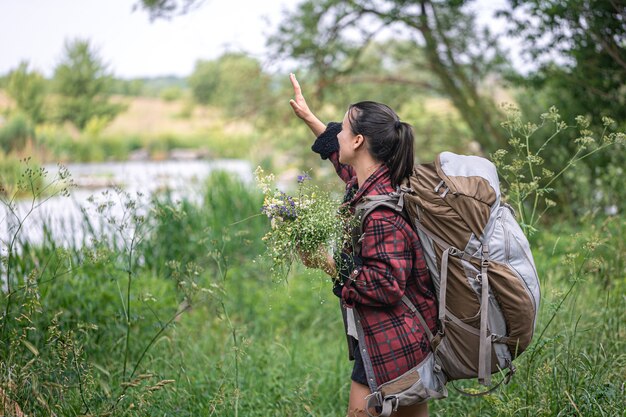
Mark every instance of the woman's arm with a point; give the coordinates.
(326, 144)
(301, 109)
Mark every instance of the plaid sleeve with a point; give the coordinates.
(387, 262)
(327, 146)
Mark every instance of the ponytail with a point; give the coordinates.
(401, 160)
(389, 140)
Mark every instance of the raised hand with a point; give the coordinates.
(301, 108)
(298, 103)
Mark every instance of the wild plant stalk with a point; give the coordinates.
(126, 385)
(81, 388)
(129, 227)
(537, 342)
(529, 182)
(132, 227)
(222, 266)
(36, 184)
(525, 174)
(233, 331)
(129, 271)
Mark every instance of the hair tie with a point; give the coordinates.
(397, 124)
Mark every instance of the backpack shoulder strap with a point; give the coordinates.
(393, 201)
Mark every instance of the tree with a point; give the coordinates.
(577, 53)
(83, 82)
(235, 82)
(578, 48)
(330, 36)
(166, 9)
(27, 88)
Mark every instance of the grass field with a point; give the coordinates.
(100, 331)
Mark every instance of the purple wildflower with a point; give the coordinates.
(302, 178)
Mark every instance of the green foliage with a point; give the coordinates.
(83, 82)
(74, 321)
(16, 132)
(154, 86)
(132, 88)
(171, 94)
(531, 184)
(436, 130)
(147, 87)
(166, 9)
(27, 88)
(582, 69)
(91, 146)
(10, 172)
(235, 82)
(440, 39)
(226, 218)
(23, 342)
(251, 347)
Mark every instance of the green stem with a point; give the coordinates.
(128, 289)
(247, 218)
(532, 179)
(10, 247)
(569, 164)
(233, 331)
(542, 213)
(520, 207)
(223, 274)
(575, 159)
(558, 307)
(155, 338)
(550, 138)
(145, 351)
(80, 380)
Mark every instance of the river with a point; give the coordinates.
(64, 217)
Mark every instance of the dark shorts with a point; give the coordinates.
(358, 372)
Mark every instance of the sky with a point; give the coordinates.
(132, 45)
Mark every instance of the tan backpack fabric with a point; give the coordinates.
(479, 260)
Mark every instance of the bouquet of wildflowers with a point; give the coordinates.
(306, 222)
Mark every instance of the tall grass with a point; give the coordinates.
(209, 333)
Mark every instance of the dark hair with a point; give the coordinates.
(388, 139)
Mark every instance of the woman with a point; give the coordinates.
(372, 151)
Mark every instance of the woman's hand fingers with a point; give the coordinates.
(301, 109)
(294, 105)
(297, 91)
(319, 259)
(305, 257)
(298, 103)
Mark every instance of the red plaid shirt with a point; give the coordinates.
(391, 265)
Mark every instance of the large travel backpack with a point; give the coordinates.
(481, 266)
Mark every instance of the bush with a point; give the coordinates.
(171, 93)
(15, 133)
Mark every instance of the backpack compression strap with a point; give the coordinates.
(484, 347)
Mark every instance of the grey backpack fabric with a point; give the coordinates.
(482, 268)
